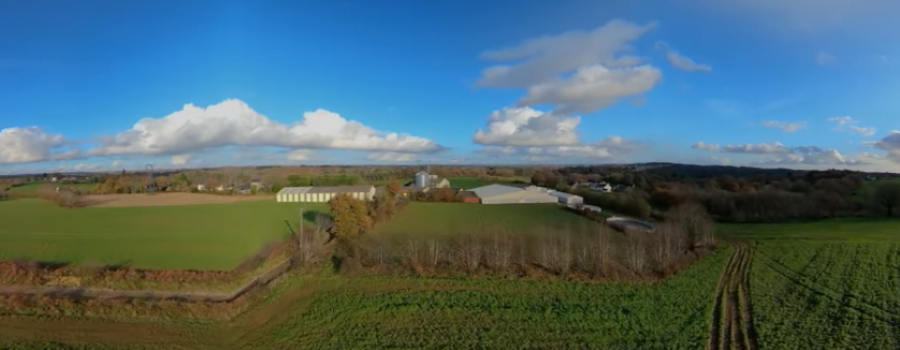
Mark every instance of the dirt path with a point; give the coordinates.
(732, 319)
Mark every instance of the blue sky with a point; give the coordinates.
(793, 83)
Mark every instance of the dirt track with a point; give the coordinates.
(732, 319)
(166, 199)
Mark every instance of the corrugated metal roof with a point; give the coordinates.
(341, 189)
(494, 190)
(294, 190)
(564, 195)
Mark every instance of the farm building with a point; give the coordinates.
(425, 181)
(323, 194)
(502, 194)
(567, 198)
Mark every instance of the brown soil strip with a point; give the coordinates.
(731, 326)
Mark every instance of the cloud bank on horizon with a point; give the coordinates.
(614, 90)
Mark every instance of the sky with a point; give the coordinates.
(111, 85)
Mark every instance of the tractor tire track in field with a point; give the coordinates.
(731, 326)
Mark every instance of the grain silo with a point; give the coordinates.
(422, 179)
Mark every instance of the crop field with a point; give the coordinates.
(324, 311)
(825, 285)
(202, 237)
(419, 218)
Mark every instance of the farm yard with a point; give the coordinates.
(202, 237)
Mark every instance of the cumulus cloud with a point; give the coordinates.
(29, 145)
(781, 154)
(577, 71)
(116, 163)
(181, 159)
(299, 155)
(545, 58)
(823, 58)
(762, 148)
(524, 126)
(705, 146)
(233, 122)
(890, 144)
(848, 123)
(609, 148)
(681, 62)
(392, 157)
(814, 156)
(783, 126)
(592, 88)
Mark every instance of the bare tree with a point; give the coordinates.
(636, 251)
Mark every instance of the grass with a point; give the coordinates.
(442, 218)
(37, 186)
(325, 311)
(202, 237)
(475, 182)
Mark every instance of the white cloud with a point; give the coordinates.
(848, 123)
(815, 156)
(864, 131)
(705, 146)
(181, 159)
(116, 163)
(525, 127)
(577, 71)
(232, 122)
(392, 157)
(609, 148)
(29, 145)
(299, 155)
(784, 126)
(890, 144)
(842, 120)
(545, 58)
(681, 62)
(823, 58)
(592, 88)
(775, 147)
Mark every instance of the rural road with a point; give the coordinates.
(732, 319)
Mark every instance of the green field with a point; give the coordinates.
(37, 186)
(443, 218)
(213, 236)
(825, 285)
(469, 183)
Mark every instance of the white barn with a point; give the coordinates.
(567, 198)
(502, 194)
(323, 194)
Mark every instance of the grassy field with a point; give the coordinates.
(825, 285)
(324, 311)
(213, 236)
(474, 182)
(35, 187)
(443, 218)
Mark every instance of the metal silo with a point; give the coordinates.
(422, 179)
